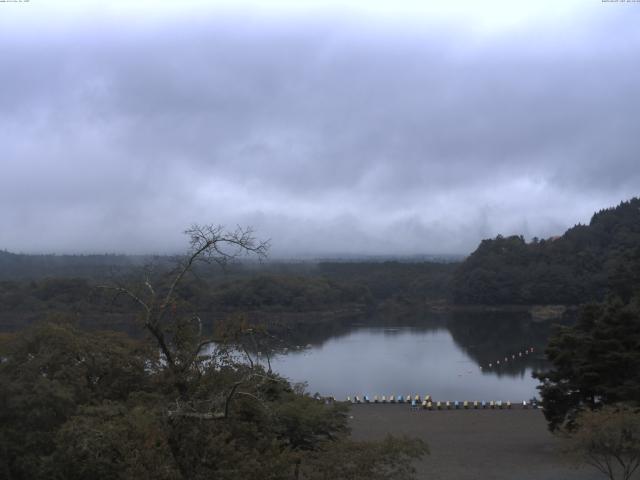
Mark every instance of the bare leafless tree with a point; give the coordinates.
(158, 300)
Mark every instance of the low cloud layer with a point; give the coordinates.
(329, 134)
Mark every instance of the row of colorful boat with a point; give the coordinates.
(389, 399)
(427, 403)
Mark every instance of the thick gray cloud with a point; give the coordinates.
(329, 134)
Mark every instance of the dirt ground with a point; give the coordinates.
(474, 444)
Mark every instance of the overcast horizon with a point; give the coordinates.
(332, 128)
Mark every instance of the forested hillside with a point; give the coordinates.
(582, 265)
(403, 281)
(14, 266)
(37, 286)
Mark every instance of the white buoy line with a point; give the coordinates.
(509, 358)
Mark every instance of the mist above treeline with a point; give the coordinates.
(585, 264)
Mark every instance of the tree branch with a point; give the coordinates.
(129, 293)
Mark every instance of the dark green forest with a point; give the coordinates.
(595, 362)
(282, 292)
(77, 405)
(582, 265)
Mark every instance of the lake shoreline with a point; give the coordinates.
(536, 312)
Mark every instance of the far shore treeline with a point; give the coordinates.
(583, 265)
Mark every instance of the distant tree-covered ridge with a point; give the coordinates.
(25, 302)
(341, 288)
(583, 265)
(20, 266)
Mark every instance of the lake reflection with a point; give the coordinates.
(443, 359)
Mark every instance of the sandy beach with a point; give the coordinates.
(474, 444)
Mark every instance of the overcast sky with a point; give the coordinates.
(330, 127)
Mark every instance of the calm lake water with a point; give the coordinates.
(447, 358)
